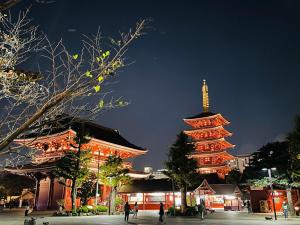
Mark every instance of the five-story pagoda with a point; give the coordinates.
(208, 136)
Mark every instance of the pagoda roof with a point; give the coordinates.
(198, 154)
(205, 115)
(201, 115)
(196, 131)
(194, 120)
(207, 129)
(65, 123)
(213, 141)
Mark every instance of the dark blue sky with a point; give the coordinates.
(248, 51)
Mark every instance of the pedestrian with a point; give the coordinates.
(161, 212)
(201, 209)
(135, 210)
(27, 210)
(285, 210)
(126, 211)
(248, 204)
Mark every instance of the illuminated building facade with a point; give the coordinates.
(58, 137)
(208, 135)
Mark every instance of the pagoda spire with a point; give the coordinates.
(205, 99)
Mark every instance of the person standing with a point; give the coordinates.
(135, 210)
(161, 212)
(248, 204)
(285, 210)
(126, 211)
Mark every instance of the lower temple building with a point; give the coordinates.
(58, 137)
(148, 193)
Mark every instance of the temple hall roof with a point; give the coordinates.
(148, 186)
(94, 130)
(225, 189)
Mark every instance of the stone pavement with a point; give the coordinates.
(16, 217)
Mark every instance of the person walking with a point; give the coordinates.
(285, 210)
(201, 209)
(126, 211)
(161, 212)
(135, 210)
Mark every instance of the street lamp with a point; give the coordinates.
(271, 186)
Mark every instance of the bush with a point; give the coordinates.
(83, 209)
(171, 211)
(191, 211)
(101, 208)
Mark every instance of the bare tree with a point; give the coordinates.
(7, 4)
(71, 82)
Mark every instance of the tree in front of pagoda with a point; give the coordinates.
(233, 177)
(73, 166)
(114, 174)
(181, 168)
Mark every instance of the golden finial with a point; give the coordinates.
(205, 99)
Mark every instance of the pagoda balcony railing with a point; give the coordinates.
(201, 165)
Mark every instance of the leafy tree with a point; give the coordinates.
(180, 167)
(280, 155)
(87, 189)
(294, 151)
(74, 164)
(113, 174)
(233, 177)
(269, 156)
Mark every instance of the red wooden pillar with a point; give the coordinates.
(50, 196)
(143, 201)
(37, 193)
(166, 206)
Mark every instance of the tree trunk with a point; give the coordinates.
(183, 200)
(113, 200)
(73, 195)
(290, 200)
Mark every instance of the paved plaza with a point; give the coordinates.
(222, 218)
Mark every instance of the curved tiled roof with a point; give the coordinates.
(94, 130)
(201, 115)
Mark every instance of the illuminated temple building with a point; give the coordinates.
(53, 141)
(208, 135)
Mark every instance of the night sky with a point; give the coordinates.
(248, 51)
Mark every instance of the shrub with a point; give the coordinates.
(171, 211)
(191, 211)
(83, 209)
(101, 208)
